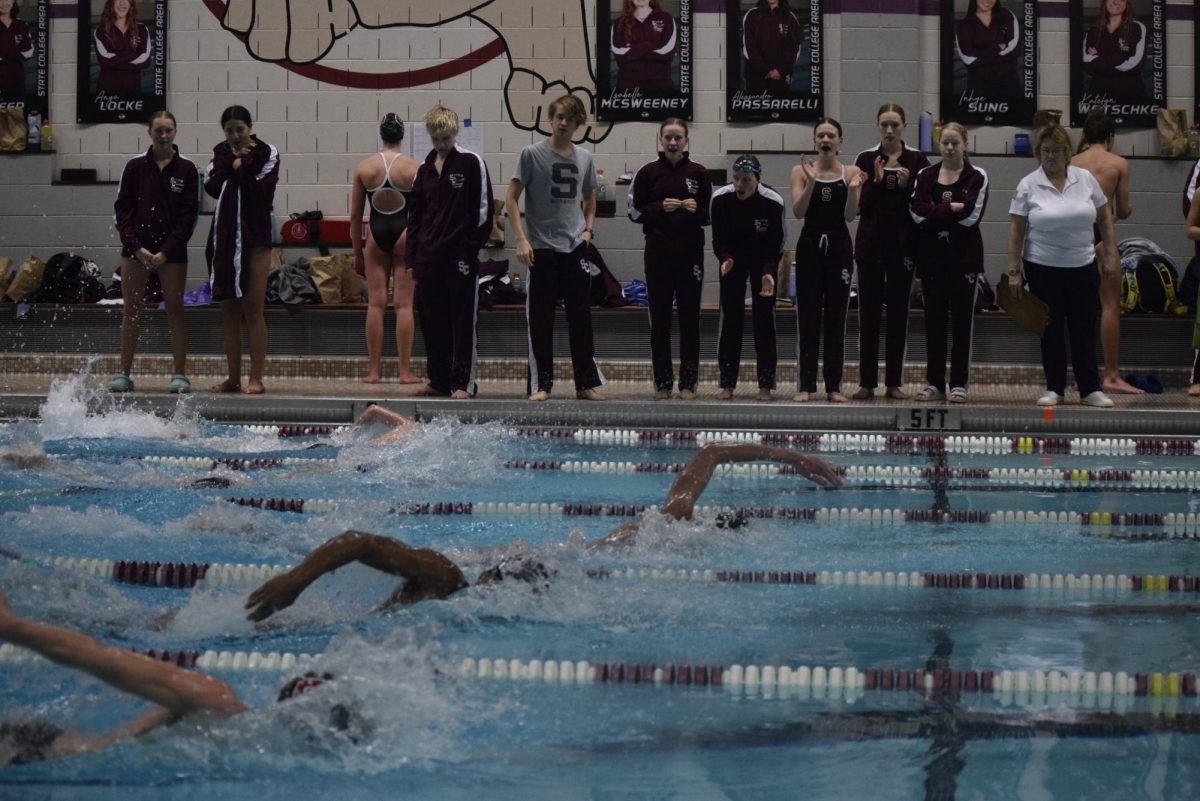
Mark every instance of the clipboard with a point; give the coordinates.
(1030, 311)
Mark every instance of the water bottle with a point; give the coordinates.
(518, 283)
(47, 137)
(601, 185)
(926, 132)
(33, 140)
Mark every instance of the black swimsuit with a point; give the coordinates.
(387, 226)
(22, 743)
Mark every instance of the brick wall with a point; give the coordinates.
(876, 51)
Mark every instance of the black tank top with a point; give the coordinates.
(827, 208)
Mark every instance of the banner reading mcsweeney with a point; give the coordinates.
(1119, 60)
(989, 62)
(644, 59)
(121, 69)
(773, 65)
(25, 55)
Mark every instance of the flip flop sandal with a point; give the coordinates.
(120, 383)
(180, 384)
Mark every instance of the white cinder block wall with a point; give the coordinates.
(324, 129)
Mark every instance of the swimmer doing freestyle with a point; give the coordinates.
(429, 575)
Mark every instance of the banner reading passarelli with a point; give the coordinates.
(121, 73)
(773, 61)
(644, 59)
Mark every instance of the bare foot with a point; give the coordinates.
(895, 393)
(429, 392)
(1119, 386)
(460, 394)
(764, 395)
(864, 393)
(371, 378)
(725, 394)
(1194, 391)
(590, 394)
(836, 397)
(254, 388)
(801, 397)
(409, 378)
(540, 395)
(228, 385)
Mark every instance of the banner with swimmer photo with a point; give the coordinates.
(643, 60)
(773, 65)
(1119, 60)
(25, 56)
(121, 68)
(989, 62)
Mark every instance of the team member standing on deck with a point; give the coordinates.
(449, 219)
(383, 181)
(560, 208)
(1191, 208)
(670, 198)
(947, 204)
(825, 195)
(1112, 173)
(242, 177)
(748, 222)
(884, 246)
(1053, 213)
(155, 213)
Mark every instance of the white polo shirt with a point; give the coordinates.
(1059, 233)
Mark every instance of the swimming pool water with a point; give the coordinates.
(435, 734)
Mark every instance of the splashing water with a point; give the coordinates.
(73, 409)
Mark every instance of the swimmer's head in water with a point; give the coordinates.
(21, 743)
(735, 518)
(342, 717)
(518, 568)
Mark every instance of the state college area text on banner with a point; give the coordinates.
(1119, 61)
(121, 73)
(25, 57)
(644, 60)
(773, 66)
(989, 63)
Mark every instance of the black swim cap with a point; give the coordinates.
(391, 128)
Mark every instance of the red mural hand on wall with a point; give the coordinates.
(298, 34)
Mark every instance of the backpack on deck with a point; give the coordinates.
(69, 278)
(1148, 285)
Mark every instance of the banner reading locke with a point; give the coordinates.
(644, 59)
(773, 61)
(121, 73)
(989, 62)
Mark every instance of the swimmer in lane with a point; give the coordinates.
(177, 692)
(429, 575)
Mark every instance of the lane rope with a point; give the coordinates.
(1088, 687)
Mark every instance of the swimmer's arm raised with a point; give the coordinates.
(428, 574)
(177, 690)
(692, 481)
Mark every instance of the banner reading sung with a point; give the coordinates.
(989, 62)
